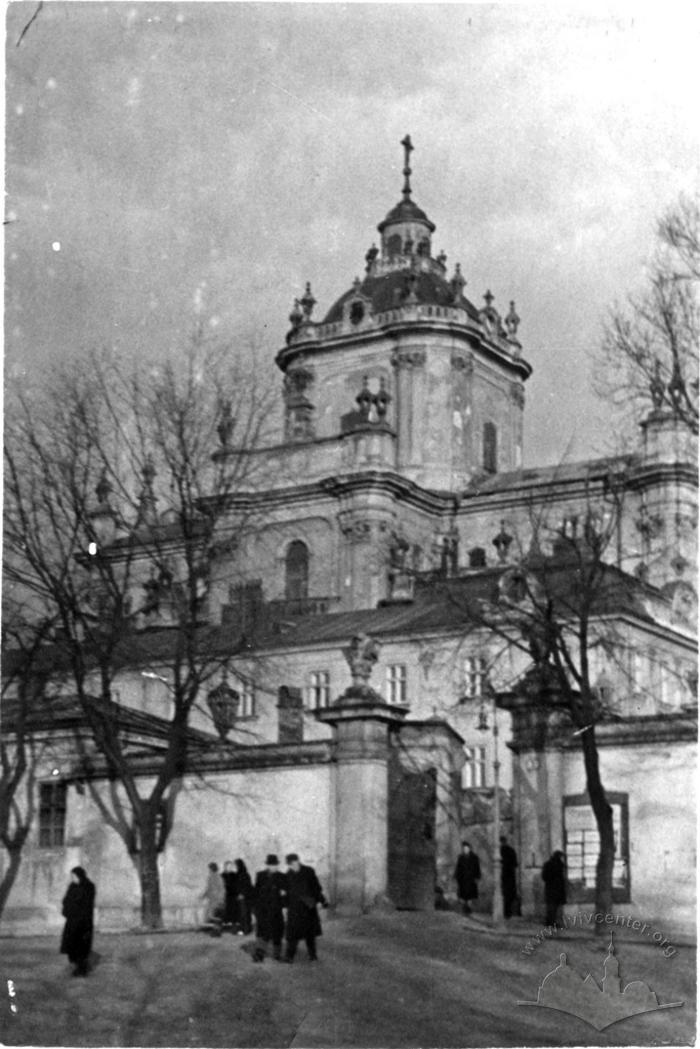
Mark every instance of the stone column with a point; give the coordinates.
(362, 721)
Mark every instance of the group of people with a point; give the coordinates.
(284, 905)
(468, 874)
(229, 896)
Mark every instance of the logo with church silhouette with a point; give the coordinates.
(564, 989)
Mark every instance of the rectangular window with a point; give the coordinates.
(246, 699)
(475, 674)
(52, 815)
(581, 844)
(396, 683)
(318, 692)
(474, 771)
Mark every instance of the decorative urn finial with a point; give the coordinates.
(361, 655)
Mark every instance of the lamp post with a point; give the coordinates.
(483, 726)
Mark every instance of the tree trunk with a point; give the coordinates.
(602, 810)
(149, 876)
(8, 878)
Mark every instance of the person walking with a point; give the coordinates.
(554, 878)
(244, 891)
(214, 895)
(230, 879)
(304, 893)
(509, 885)
(269, 897)
(78, 910)
(467, 875)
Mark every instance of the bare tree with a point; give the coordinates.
(559, 609)
(21, 750)
(650, 343)
(122, 518)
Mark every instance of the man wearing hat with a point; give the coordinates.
(304, 892)
(268, 901)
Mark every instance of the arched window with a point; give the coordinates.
(490, 448)
(393, 245)
(296, 572)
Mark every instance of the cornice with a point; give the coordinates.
(395, 329)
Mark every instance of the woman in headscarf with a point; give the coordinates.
(244, 887)
(78, 910)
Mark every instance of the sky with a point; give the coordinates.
(168, 162)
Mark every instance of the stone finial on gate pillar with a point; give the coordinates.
(361, 655)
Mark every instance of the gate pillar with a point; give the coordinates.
(362, 722)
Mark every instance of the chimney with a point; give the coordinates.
(291, 715)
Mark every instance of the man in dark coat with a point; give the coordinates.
(554, 878)
(467, 875)
(78, 910)
(304, 892)
(509, 886)
(268, 900)
(230, 880)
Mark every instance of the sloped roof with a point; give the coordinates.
(388, 291)
(439, 605)
(65, 713)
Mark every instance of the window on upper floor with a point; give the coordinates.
(490, 448)
(474, 769)
(246, 699)
(52, 814)
(318, 690)
(296, 587)
(475, 676)
(396, 683)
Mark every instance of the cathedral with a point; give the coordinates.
(373, 729)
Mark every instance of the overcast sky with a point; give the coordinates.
(164, 158)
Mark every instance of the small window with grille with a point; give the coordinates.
(474, 770)
(396, 683)
(318, 691)
(475, 675)
(246, 699)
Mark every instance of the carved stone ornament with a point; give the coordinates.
(408, 358)
(357, 531)
(517, 394)
(361, 655)
(462, 361)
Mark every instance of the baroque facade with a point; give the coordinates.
(396, 499)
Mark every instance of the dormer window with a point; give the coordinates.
(357, 311)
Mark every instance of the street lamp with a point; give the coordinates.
(483, 726)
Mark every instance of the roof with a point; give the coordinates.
(406, 211)
(65, 713)
(388, 291)
(439, 605)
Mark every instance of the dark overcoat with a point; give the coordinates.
(268, 901)
(554, 878)
(230, 880)
(509, 865)
(467, 874)
(78, 910)
(304, 892)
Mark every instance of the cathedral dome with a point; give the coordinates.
(392, 289)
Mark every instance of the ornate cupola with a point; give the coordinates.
(406, 229)
(442, 380)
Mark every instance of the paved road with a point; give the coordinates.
(387, 980)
